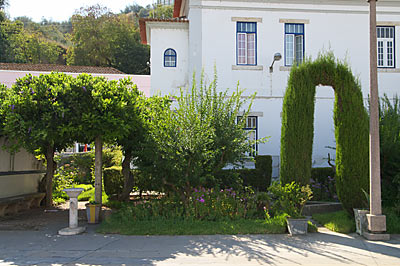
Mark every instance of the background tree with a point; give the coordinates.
(19, 46)
(162, 11)
(135, 133)
(36, 118)
(101, 38)
(98, 107)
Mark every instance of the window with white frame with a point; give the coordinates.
(170, 58)
(246, 43)
(250, 126)
(385, 44)
(294, 43)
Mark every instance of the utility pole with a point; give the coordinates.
(376, 221)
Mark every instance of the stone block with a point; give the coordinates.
(376, 223)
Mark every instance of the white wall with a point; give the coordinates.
(167, 80)
(341, 28)
(17, 184)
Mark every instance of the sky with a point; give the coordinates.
(62, 10)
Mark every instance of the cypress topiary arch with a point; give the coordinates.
(351, 128)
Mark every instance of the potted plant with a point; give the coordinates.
(93, 210)
(290, 199)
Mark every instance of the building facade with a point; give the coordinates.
(240, 38)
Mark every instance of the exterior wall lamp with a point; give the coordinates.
(277, 57)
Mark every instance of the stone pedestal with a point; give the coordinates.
(73, 228)
(376, 227)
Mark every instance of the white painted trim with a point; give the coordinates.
(313, 2)
(285, 68)
(294, 10)
(246, 19)
(389, 70)
(245, 67)
(258, 114)
(388, 23)
(167, 25)
(295, 21)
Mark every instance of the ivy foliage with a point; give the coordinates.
(351, 128)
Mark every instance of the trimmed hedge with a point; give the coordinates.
(320, 174)
(113, 181)
(351, 128)
(258, 178)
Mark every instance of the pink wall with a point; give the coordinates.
(8, 77)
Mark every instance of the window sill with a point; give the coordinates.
(244, 67)
(285, 68)
(389, 70)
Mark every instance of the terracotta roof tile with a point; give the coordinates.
(59, 68)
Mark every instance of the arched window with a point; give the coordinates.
(170, 58)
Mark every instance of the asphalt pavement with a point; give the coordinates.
(43, 246)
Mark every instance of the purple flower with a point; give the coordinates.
(195, 190)
(201, 200)
(12, 106)
(32, 91)
(29, 130)
(84, 88)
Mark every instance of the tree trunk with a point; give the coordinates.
(49, 175)
(98, 145)
(128, 176)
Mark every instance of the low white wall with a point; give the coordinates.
(15, 172)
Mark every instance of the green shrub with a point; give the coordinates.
(323, 184)
(289, 198)
(112, 157)
(258, 178)
(113, 181)
(264, 167)
(390, 150)
(351, 128)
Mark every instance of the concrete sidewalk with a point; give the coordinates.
(45, 247)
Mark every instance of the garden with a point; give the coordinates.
(174, 165)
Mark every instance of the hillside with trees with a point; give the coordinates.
(93, 36)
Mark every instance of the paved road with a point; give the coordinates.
(45, 247)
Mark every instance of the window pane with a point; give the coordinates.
(251, 48)
(241, 52)
(390, 54)
(299, 49)
(289, 49)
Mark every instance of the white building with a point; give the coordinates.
(240, 38)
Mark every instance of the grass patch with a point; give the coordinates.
(119, 223)
(339, 221)
(86, 195)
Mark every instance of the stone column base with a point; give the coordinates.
(71, 231)
(376, 236)
(376, 223)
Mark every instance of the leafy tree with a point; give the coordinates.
(135, 132)
(36, 118)
(19, 46)
(189, 144)
(162, 11)
(2, 13)
(101, 38)
(98, 107)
